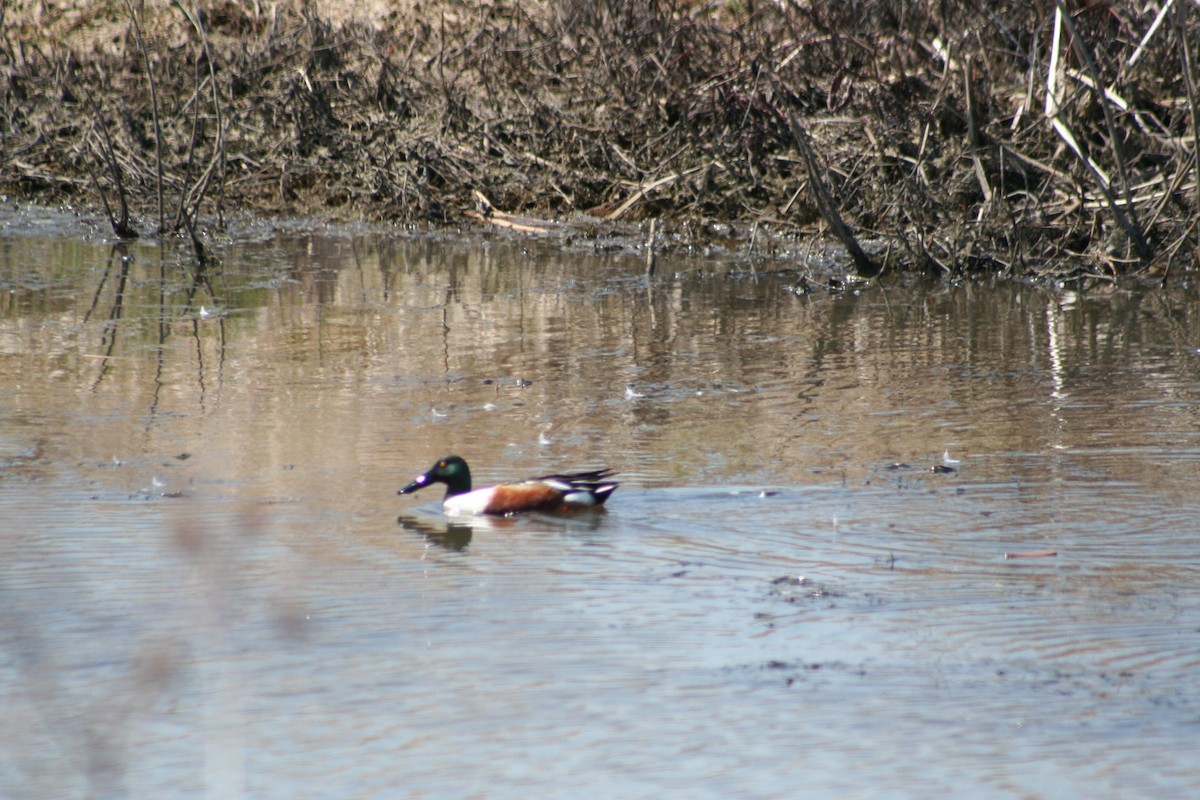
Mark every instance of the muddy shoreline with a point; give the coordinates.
(1017, 142)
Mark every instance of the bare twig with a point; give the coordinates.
(1127, 216)
(217, 162)
(1189, 82)
(1158, 19)
(642, 191)
(120, 223)
(973, 133)
(1127, 222)
(863, 264)
(158, 137)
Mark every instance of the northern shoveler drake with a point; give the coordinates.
(568, 491)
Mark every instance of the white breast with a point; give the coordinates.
(469, 503)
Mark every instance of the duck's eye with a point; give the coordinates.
(441, 463)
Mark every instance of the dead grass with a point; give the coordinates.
(963, 137)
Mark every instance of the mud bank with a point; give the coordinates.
(951, 138)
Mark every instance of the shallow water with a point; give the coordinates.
(210, 587)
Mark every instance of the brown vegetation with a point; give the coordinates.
(1043, 138)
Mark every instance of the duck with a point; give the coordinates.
(566, 491)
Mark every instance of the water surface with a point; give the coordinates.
(210, 587)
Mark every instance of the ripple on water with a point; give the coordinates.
(767, 608)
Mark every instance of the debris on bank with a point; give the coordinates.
(1027, 140)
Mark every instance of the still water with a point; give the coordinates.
(210, 588)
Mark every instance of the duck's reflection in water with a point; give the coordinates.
(452, 533)
(455, 532)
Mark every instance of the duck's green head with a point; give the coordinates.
(451, 470)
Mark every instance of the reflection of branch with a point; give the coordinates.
(108, 340)
(96, 296)
(202, 279)
(164, 330)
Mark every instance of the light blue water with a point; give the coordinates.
(210, 587)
